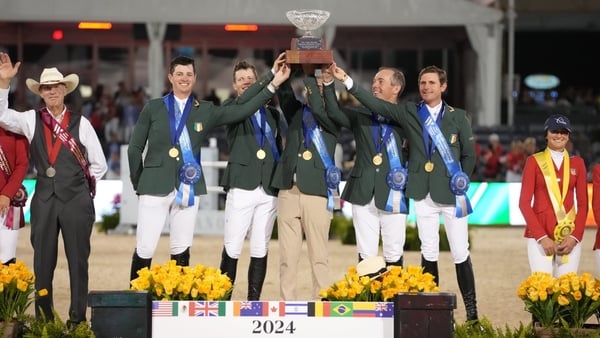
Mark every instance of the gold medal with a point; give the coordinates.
(50, 172)
(429, 166)
(260, 154)
(377, 159)
(173, 152)
(307, 155)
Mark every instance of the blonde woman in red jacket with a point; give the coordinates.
(552, 181)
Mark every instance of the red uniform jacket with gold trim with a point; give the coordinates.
(540, 218)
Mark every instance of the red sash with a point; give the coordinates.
(65, 138)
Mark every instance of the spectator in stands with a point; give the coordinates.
(121, 95)
(554, 202)
(251, 204)
(379, 207)
(515, 161)
(530, 146)
(168, 179)
(492, 159)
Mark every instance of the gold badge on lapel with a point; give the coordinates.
(196, 103)
(198, 127)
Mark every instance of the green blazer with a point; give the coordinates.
(366, 179)
(456, 128)
(310, 174)
(157, 173)
(244, 169)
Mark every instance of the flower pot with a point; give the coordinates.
(424, 315)
(121, 313)
(10, 329)
(548, 332)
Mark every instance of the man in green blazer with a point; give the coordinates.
(378, 179)
(441, 158)
(251, 204)
(168, 178)
(306, 198)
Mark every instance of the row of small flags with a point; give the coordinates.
(271, 309)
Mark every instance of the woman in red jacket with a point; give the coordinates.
(14, 163)
(552, 181)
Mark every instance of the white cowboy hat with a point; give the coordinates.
(372, 267)
(51, 76)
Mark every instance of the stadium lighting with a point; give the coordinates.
(95, 25)
(241, 28)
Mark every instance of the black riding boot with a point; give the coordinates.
(432, 268)
(466, 284)
(10, 261)
(138, 263)
(399, 262)
(228, 267)
(182, 259)
(256, 276)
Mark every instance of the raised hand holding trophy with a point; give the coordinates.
(308, 49)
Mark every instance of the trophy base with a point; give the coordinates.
(309, 56)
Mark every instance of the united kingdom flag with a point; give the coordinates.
(206, 309)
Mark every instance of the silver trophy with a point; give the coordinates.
(307, 20)
(308, 49)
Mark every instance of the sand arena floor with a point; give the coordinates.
(498, 255)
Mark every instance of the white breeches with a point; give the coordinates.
(249, 213)
(428, 215)
(156, 211)
(369, 222)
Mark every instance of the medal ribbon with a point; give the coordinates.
(423, 115)
(52, 147)
(262, 130)
(565, 221)
(63, 136)
(185, 193)
(312, 132)
(376, 131)
(13, 215)
(395, 202)
(463, 205)
(177, 123)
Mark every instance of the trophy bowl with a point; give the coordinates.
(307, 19)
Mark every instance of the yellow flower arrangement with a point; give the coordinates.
(173, 282)
(568, 301)
(382, 289)
(16, 287)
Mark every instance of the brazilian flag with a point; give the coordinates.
(341, 309)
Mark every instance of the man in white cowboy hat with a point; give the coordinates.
(68, 158)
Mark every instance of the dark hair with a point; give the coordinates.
(434, 69)
(181, 60)
(397, 78)
(244, 65)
